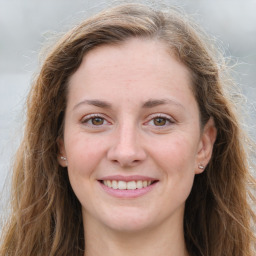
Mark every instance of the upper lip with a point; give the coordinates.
(128, 178)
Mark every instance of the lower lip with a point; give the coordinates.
(127, 193)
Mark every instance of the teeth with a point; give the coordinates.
(130, 185)
(114, 184)
(109, 183)
(139, 184)
(122, 184)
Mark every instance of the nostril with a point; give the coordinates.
(126, 154)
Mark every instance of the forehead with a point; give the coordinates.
(139, 51)
(136, 65)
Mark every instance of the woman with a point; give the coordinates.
(131, 146)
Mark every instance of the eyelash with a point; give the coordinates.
(87, 120)
(169, 121)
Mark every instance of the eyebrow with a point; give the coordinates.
(94, 102)
(157, 102)
(148, 104)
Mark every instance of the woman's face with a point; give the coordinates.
(132, 136)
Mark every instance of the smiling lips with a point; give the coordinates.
(127, 187)
(130, 185)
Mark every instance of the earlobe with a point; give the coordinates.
(62, 159)
(205, 149)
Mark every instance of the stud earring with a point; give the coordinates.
(63, 158)
(201, 166)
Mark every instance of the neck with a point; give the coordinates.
(163, 240)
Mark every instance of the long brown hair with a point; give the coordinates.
(46, 216)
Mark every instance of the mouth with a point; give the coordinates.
(128, 185)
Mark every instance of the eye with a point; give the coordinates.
(94, 120)
(97, 121)
(160, 121)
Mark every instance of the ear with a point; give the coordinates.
(62, 158)
(205, 148)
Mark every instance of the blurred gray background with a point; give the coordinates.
(25, 25)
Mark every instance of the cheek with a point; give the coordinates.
(84, 154)
(176, 152)
(176, 158)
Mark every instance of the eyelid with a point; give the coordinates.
(86, 118)
(170, 119)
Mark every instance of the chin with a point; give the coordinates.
(129, 225)
(127, 220)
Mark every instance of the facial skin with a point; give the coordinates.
(131, 111)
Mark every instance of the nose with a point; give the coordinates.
(126, 150)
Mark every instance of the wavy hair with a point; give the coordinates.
(46, 215)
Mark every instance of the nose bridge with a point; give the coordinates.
(127, 135)
(127, 149)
